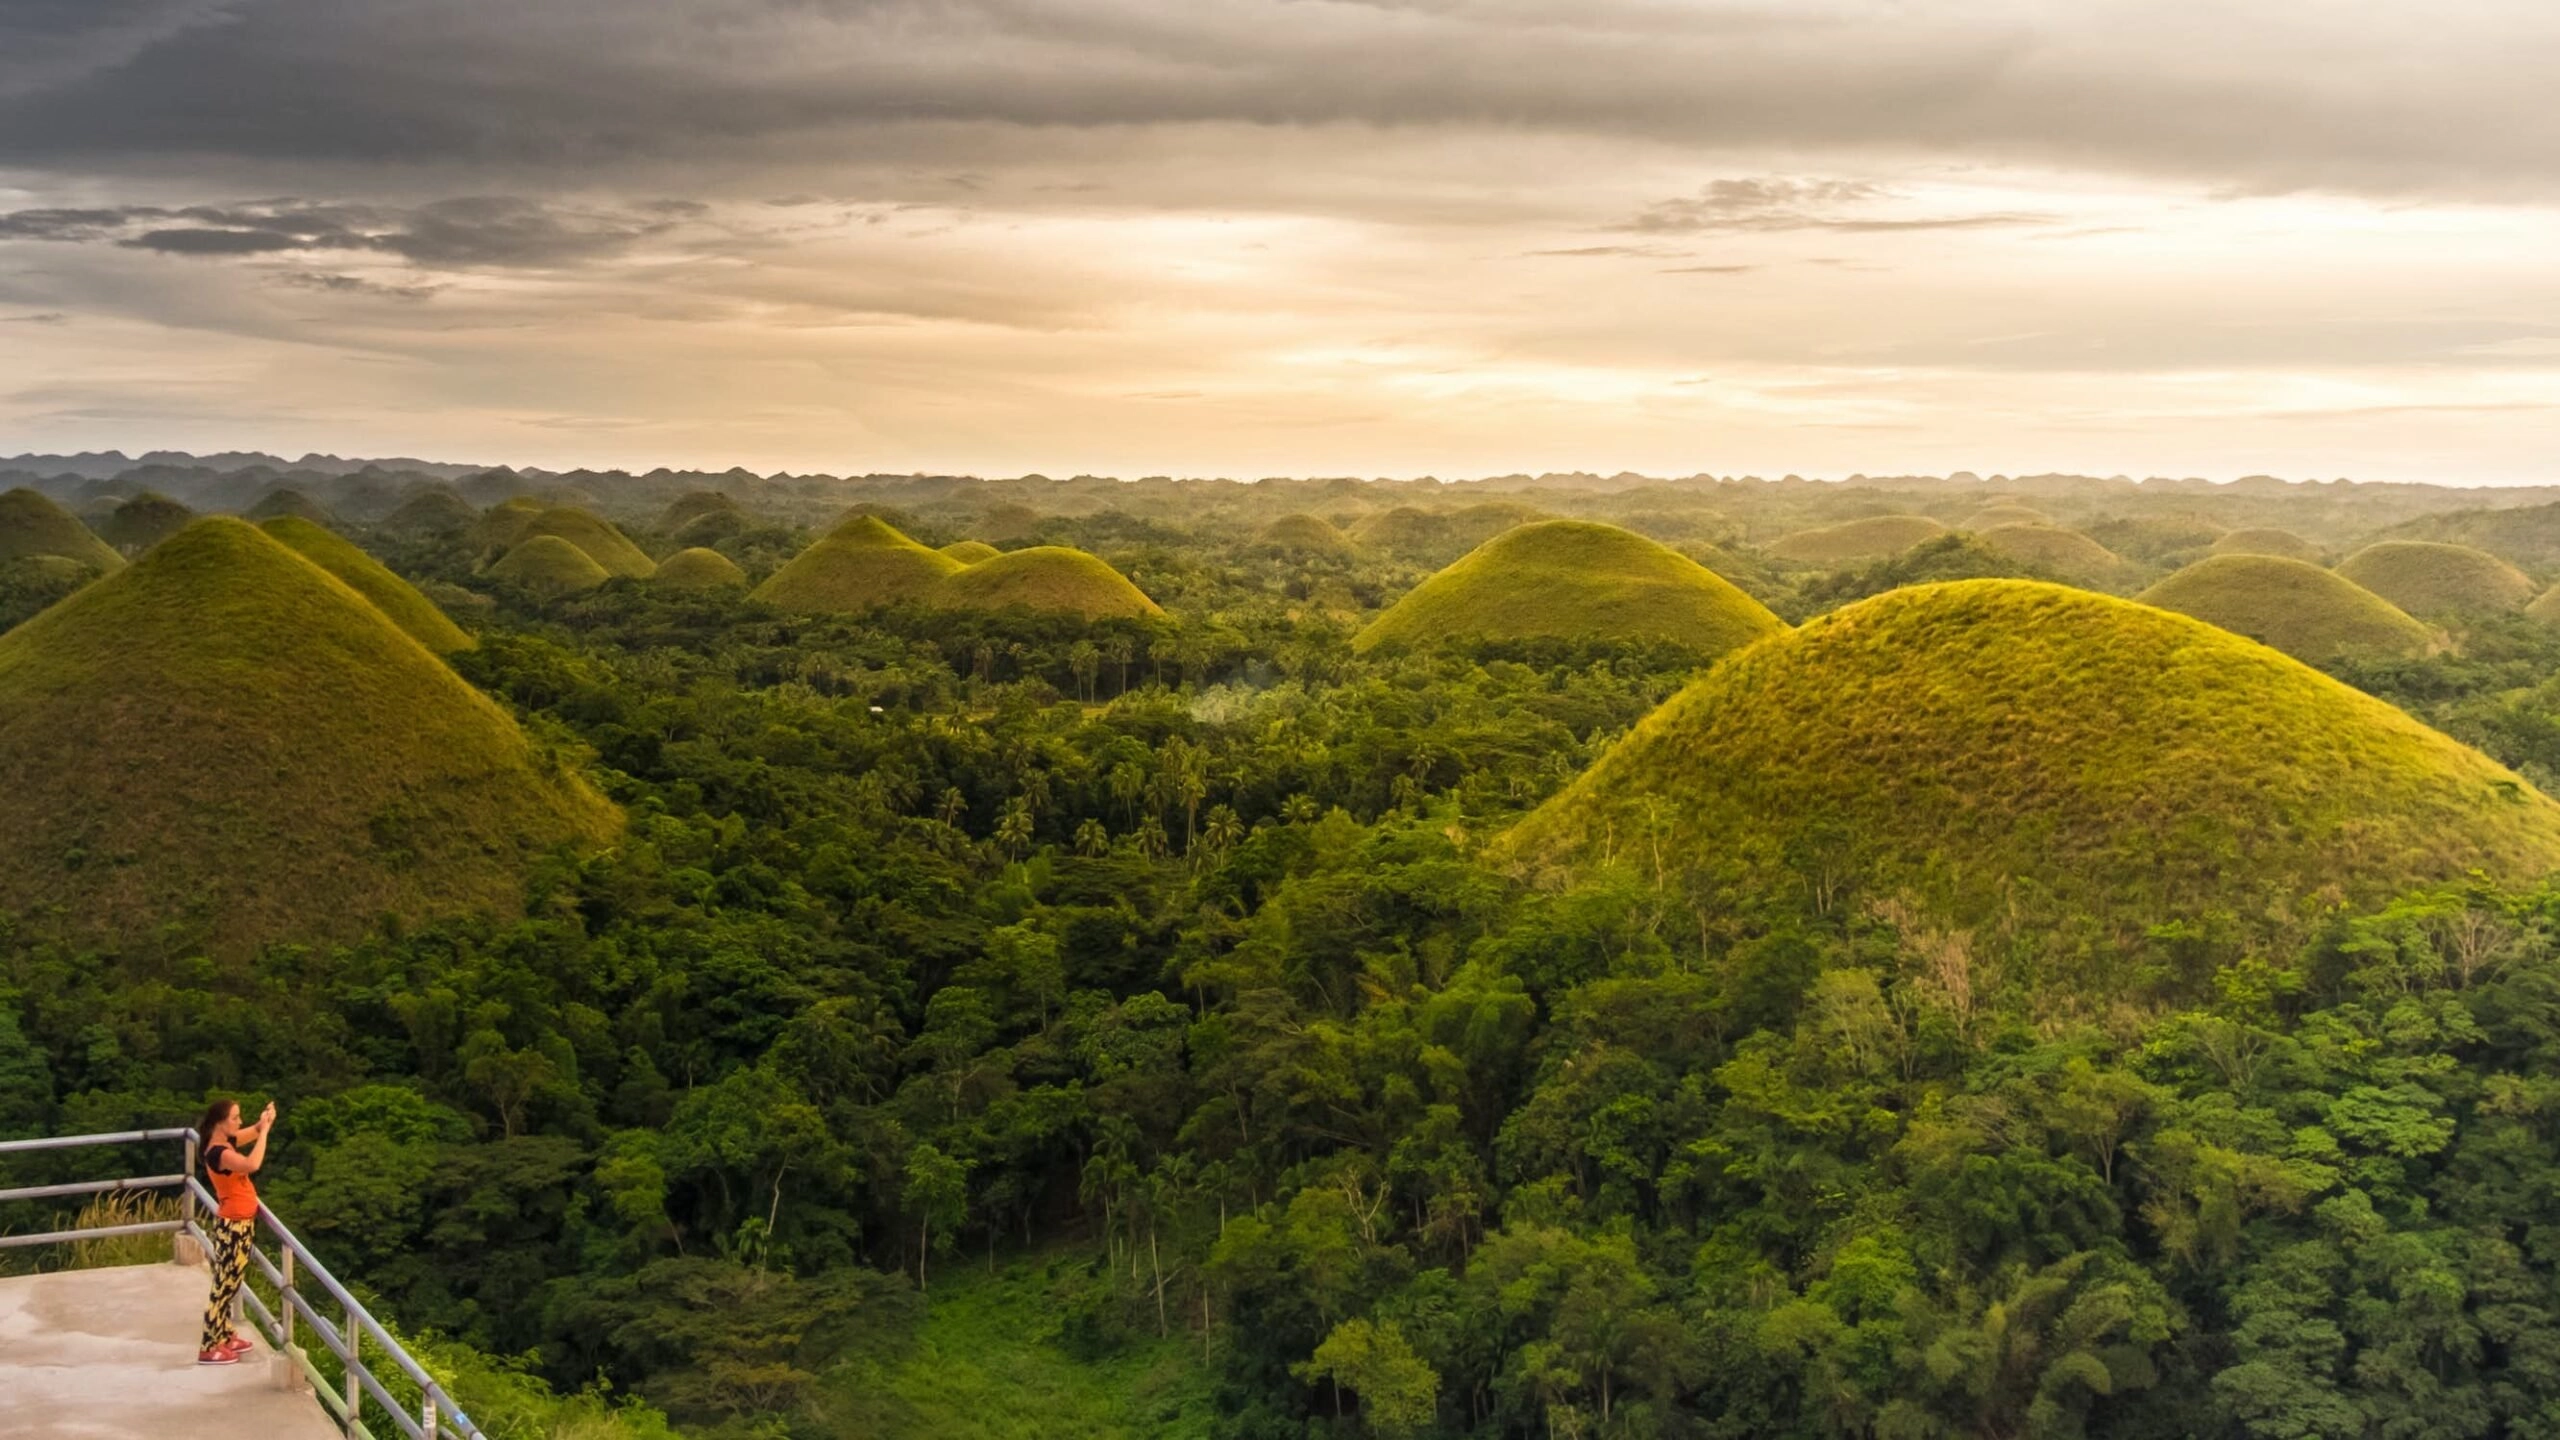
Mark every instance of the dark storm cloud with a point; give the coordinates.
(445, 234)
(2239, 93)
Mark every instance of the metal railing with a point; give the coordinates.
(302, 1286)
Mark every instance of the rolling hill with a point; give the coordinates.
(435, 510)
(970, 552)
(603, 544)
(698, 569)
(2308, 613)
(2007, 512)
(2428, 578)
(1855, 542)
(863, 563)
(225, 739)
(548, 565)
(1573, 580)
(2042, 775)
(2265, 540)
(1050, 578)
(694, 505)
(284, 500)
(32, 526)
(390, 594)
(2063, 554)
(1304, 535)
(144, 521)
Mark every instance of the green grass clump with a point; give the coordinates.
(990, 1361)
(2427, 578)
(1573, 580)
(2266, 540)
(1049, 578)
(549, 565)
(285, 500)
(2041, 768)
(2063, 554)
(698, 569)
(368, 577)
(970, 552)
(432, 511)
(144, 521)
(1855, 542)
(862, 564)
(694, 505)
(2307, 612)
(32, 526)
(225, 738)
(1304, 535)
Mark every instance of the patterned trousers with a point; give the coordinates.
(230, 1266)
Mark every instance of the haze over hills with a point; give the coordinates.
(2008, 760)
(225, 738)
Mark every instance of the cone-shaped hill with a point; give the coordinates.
(549, 565)
(2546, 608)
(697, 569)
(2307, 612)
(863, 563)
(694, 505)
(1573, 580)
(2006, 512)
(602, 543)
(2063, 554)
(32, 526)
(1051, 578)
(2425, 577)
(1401, 530)
(1854, 542)
(225, 738)
(2051, 770)
(2262, 540)
(432, 511)
(506, 523)
(144, 521)
(970, 552)
(1304, 535)
(390, 594)
(285, 500)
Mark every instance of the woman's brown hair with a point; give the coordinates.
(214, 1114)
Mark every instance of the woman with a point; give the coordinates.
(227, 1168)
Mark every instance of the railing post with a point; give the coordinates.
(183, 1247)
(284, 1297)
(428, 1410)
(355, 1374)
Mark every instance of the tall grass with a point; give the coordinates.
(122, 1207)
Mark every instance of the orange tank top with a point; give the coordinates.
(235, 1196)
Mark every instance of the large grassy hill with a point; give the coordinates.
(434, 510)
(285, 500)
(1573, 580)
(1048, 578)
(694, 505)
(1304, 535)
(970, 552)
(2267, 540)
(2063, 554)
(698, 569)
(1855, 542)
(225, 738)
(2427, 578)
(549, 565)
(368, 577)
(861, 564)
(144, 521)
(2038, 772)
(2297, 607)
(31, 525)
(604, 544)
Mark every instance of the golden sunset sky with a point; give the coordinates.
(1262, 237)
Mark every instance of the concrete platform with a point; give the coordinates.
(111, 1355)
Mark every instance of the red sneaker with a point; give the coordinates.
(238, 1345)
(219, 1356)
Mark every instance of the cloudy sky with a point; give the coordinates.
(1248, 237)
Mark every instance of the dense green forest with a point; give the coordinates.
(993, 1022)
